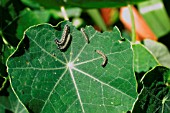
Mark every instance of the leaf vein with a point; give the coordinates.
(77, 91)
(53, 89)
(102, 82)
(47, 52)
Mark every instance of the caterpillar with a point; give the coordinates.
(85, 35)
(105, 60)
(66, 43)
(65, 33)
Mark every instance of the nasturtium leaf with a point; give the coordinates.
(9, 15)
(10, 103)
(49, 80)
(31, 3)
(143, 59)
(29, 18)
(6, 52)
(160, 51)
(143, 62)
(86, 3)
(3, 81)
(155, 95)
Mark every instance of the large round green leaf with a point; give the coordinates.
(49, 80)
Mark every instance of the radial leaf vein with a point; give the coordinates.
(70, 106)
(53, 106)
(84, 62)
(16, 109)
(33, 68)
(83, 48)
(53, 89)
(47, 52)
(102, 82)
(77, 91)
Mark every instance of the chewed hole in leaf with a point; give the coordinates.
(123, 39)
(23, 47)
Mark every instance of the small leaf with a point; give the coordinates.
(30, 18)
(155, 95)
(143, 59)
(48, 80)
(31, 3)
(3, 81)
(160, 51)
(11, 103)
(143, 62)
(6, 52)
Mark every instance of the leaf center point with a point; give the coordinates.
(70, 65)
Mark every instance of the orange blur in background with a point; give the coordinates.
(142, 29)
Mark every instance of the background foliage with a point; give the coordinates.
(136, 77)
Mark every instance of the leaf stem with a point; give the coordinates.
(63, 11)
(3, 84)
(5, 41)
(132, 23)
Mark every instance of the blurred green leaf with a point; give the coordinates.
(156, 16)
(3, 2)
(86, 3)
(31, 3)
(10, 103)
(159, 50)
(6, 52)
(155, 94)
(96, 17)
(8, 22)
(30, 18)
(167, 78)
(3, 81)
